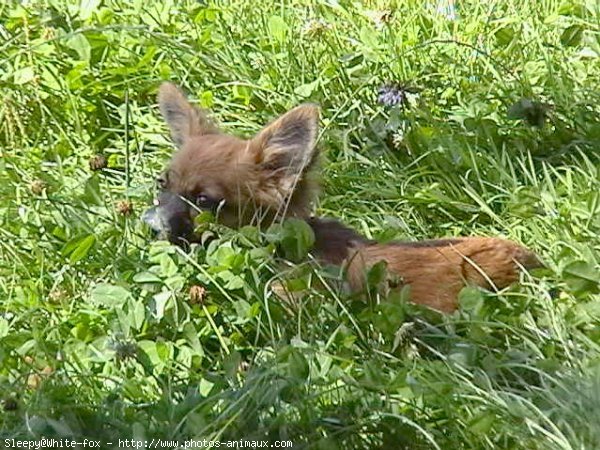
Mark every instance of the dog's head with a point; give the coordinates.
(243, 181)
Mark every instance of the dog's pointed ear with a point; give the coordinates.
(287, 146)
(184, 119)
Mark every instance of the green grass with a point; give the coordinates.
(99, 335)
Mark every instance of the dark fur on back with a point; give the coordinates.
(333, 240)
(426, 243)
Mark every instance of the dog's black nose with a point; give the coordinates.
(151, 217)
(170, 218)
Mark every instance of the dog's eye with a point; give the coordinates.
(206, 203)
(203, 201)
(161, 181)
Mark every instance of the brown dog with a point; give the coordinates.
(273, 175)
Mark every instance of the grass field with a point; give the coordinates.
(106, 333)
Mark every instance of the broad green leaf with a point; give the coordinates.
(584, 270)
(98, 42)
(368, 37)
(71, 245)
(50, 78)
(298, 365)
(146, 277)
(164, 350)
(278, 28)
(168, 268)
(586, 313)
(234, 282)
(296, 239)
(105, 16)
(471, 299)
(83, 248)
(207, 99)
(80, 44)
(573, 8)
(147, 58)
(505, 35)
(377, 274)
(582, 276)
(160, 302)
(125, 321)
(23, 75)
(242, 92)
(149, 348)
(92, 194)
(87, 8)
(109, 295)
(572, 36)
(137, 312)
(388, 318)
(205, 387)
(242, 309)
(184, 355)
(482, 423)
(325, 362)
(4, 327)
(144, 358)
(191, 335)
(305, 90)
(158, 354)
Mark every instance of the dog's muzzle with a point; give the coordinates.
(170, 218)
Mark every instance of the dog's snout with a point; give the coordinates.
(170, 218)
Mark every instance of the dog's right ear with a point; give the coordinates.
(184, 119)
(287, 145)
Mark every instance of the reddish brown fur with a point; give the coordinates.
(272, 175)
(437, 273)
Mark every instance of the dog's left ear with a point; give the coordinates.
(184, 119)
(286, 147)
